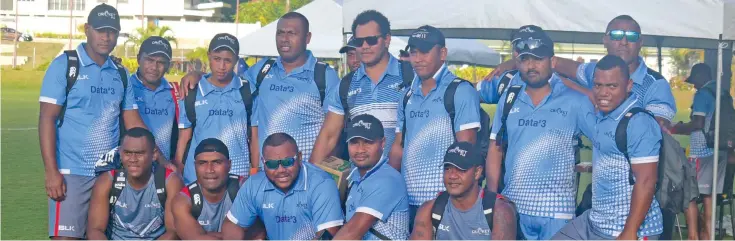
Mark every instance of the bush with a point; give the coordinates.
(57, 35)
(44, 66)
(130, 63)
(678, 83)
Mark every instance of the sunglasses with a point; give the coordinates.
(273, 164)
(617, 35)
(530, 44)
(371, 40)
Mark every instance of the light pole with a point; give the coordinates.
(142, 14)
(15, 41)
(237, 18)
(71, 21)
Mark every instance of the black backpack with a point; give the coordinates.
(505, 81)
(195, 194)
(119, 180)
(488, 204)
(501, 138)
(727, 112)
(407, 76)
(72, 72)
(483, 134)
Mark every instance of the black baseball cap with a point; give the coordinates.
(156, 45)
(533, 40)
(696, 69)
(212, 145)
(425, 38)
(365, 126)
(104, 16)
(225, 40)
(463, 155)
(350, 46)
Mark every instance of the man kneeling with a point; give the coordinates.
(464, 212)
(130, 202)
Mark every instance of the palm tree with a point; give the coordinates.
(152, 30)
(199, 55)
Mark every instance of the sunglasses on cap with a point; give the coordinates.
(273, 164)
(371, 40)
(618, 35)
(530, 43)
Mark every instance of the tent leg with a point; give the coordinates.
(659, 41)
(718, 97)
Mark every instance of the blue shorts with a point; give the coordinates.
(540, 228)
(68, 218)
(580, 229)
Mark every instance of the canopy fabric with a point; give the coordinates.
(728, 21)
(459, 51)
(681, 23)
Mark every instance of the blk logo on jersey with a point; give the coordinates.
(515, 110)
(531, 122)
(83, 77)
(444, 227)
(66, 228)
(419, 114)
(281, 88)
(102, 90)
(200, 102)
(267, 205)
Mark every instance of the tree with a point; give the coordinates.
(266, 12)
(152, 30)
(199, 55)
(468, 73)
(683, 59)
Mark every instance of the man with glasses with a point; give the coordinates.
(295, 201)
(534, 132)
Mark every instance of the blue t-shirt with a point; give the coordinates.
(158, 111)
(221, 114)
(429, 134)
(704, 106)
(611, 191)
(381, 193)
(539, 161)
(138, 214)
(312, 205)
(92, 118)
(488, 90)
(379, 100)
(654, 94)
(289, 102)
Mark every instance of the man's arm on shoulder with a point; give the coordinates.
(422, 228)
(504, 220)
(99, 208)
(187, 228)
(328, 136)
(173, 186)
(566, 67)
(660, 101)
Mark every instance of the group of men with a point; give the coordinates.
(229, 156)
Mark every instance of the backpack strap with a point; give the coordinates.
(261, 75)
(175, 125)
(191, 115)
(407, 74)
(344, 89)
(505, 81)
(449, 102)
(124, 78)
(320, 70)
(510, 99)
(488, 204)
(119, 179)
(347, 194)
(247, 100)
(195, 199)
(160, 175)
(621, 137)
(438, 209)
(72, 72)
(233, 186)
(405, 102)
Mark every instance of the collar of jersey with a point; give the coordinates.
(354, 175)
(641, 72)
(301, 181)
(442, 77)
(393, 68)
(139, 83)
(308, 65)
(205, 87)
(618, 113)
(85, 60)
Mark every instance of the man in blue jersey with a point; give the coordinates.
(295, 201)
(536, 142)
(290, 98)
(620, 210)
(424, 121)
(137, 212)
(82, 99)
(374, 89)
(219, 111)
(154, 95)
(377, 204)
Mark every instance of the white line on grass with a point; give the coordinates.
(20, 129)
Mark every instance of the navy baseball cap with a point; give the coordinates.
(425, 38)
(533, 40)
(104, 16)
(212, 145)
(365, 126)
(463, 155)
(156, 45)
(225, 40)
(350, 46)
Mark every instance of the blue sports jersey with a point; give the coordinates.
(539, 161)
(379, 100)
(704, 106)
(488, 90)
(158, 111)
(381, 193)
(221, 114)
(611, 191)
(92, 118)
(289, 102)
(429, 134)
(654, 94)
(312, 205)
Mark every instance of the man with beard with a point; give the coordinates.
(534, 133)
(350, 50)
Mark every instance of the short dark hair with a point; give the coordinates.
(299, 16)
(624, 18)
(610, 62)
(277, 139)
(372, 15)
(138, 132)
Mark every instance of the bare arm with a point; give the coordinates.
(696, 124)
(665, 124)
(357, 227)
(493, 165)
(173, 186)
(55, 187)
(566, 67)
(504, 221)
(188, 228)
(184, 138)
(328, 137)
(396, 152)
(422, 228)
(231, 231)
(99, 208)
(132, 119)
(469, 135)
(573, 85)
(254, 149)
(643, 191)
(189, 81)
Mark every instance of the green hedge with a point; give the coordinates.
(57, 35)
